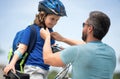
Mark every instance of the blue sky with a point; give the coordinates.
(18, 14)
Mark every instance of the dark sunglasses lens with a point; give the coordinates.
(83, 24)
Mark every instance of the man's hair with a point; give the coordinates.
(100, 22)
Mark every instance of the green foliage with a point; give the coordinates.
(116, 76)
(52, 74)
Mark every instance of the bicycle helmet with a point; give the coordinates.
(52, 7)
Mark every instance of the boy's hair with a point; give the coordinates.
(100, 22)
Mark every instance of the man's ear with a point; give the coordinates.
(90, 28)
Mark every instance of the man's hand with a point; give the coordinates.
(44, 33)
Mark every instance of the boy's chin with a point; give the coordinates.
(50, 27)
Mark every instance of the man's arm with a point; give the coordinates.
(59, 37)
(48, 56)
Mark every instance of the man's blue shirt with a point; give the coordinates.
(94, 60)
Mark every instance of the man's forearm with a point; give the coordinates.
(47, 51)
(49, 57)
(72, 42)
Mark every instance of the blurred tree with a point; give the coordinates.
(52, 74)
(116, 76)
(1, 51)
(119, 59)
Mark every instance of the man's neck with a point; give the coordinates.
(93, 39)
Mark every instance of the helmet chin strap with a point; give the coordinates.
(43, 22)
(44, 25)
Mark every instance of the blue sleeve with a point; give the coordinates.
(52, 41)
(69, 54)
(26, 36)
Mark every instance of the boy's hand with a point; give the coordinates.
(8, 68)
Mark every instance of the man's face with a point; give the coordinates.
(84, 32)
(84, 36)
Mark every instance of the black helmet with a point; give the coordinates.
(52, 7)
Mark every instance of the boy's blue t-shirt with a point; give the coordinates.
(36, 55)
(94, 60)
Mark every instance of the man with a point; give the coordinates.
(93, 60)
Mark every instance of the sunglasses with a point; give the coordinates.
(85, 24)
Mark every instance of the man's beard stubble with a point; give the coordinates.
(84, 36)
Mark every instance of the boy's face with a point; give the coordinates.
(51, 20)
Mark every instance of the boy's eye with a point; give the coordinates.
(52, 18)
